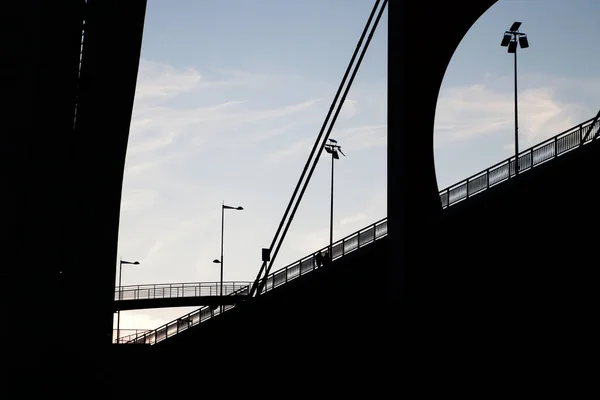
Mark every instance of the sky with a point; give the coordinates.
(231, 96)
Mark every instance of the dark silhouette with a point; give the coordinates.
(471, 299)
(326, 259)
(319, 260)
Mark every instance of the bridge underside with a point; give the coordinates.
(510, 276)
(456, 316)
(141, 304)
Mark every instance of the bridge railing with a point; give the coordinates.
(547, 150)
(173, 290)
(340, 248)
(540, 153)
(292, 271)
(127, 335)
(185, 322)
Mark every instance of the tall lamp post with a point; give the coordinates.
(121, 262)
(332, 148)
(512, 39)
(223, 208)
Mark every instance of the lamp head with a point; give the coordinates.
(515, 26)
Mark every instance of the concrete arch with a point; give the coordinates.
(423, 36)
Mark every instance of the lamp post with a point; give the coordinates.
(512, 39)
(223, 208)
(332, 148)
(121, 262)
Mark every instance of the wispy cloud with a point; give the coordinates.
(359, 217)
(362, 136)
(349, 109)
(161, 81)
(191, 147)
(158, 81)
(300, 147)
(478, 110)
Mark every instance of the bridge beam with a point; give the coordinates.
(143, 304)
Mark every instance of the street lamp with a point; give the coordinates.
(223, 208)
(121, 262)
(332, 148)
(512, 39)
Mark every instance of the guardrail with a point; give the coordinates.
(340, 248)
(545, 151)
(173, 290)
(187, 321)
(127, 335)
(532, 157)
(290, 272)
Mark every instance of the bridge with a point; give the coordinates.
(546, 151)
(165, 295)
(549, 281)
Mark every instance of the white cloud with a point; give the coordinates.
(474, 125)
(160, 81)
(158, 124)
(359, 217)
(186, 154)
(313, 239)
(349, 109)
(464, 113)
(300, 147)
(138, 200)
(362, 137)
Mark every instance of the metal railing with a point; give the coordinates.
(127, 335)
(340, 248)
(187, 321)
(532, 157)
(294, 270)
(549, 149)
(174, 290)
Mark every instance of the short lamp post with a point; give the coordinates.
(121, 262)
(223, 208)
(332, 148)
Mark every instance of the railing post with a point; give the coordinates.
(555, 147)
(487, 178)
(531, 159)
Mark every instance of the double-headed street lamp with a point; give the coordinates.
(223, 208)
(121, 262)
(512, 39)
(332, 148)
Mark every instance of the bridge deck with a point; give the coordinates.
(567, 141)
(190, 301)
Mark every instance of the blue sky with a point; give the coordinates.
(231, 96)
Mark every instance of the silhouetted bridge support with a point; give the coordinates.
(546, 153)
(167, 295)
(286, 276)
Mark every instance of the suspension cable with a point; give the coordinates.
(310, 158)
(260, 282)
